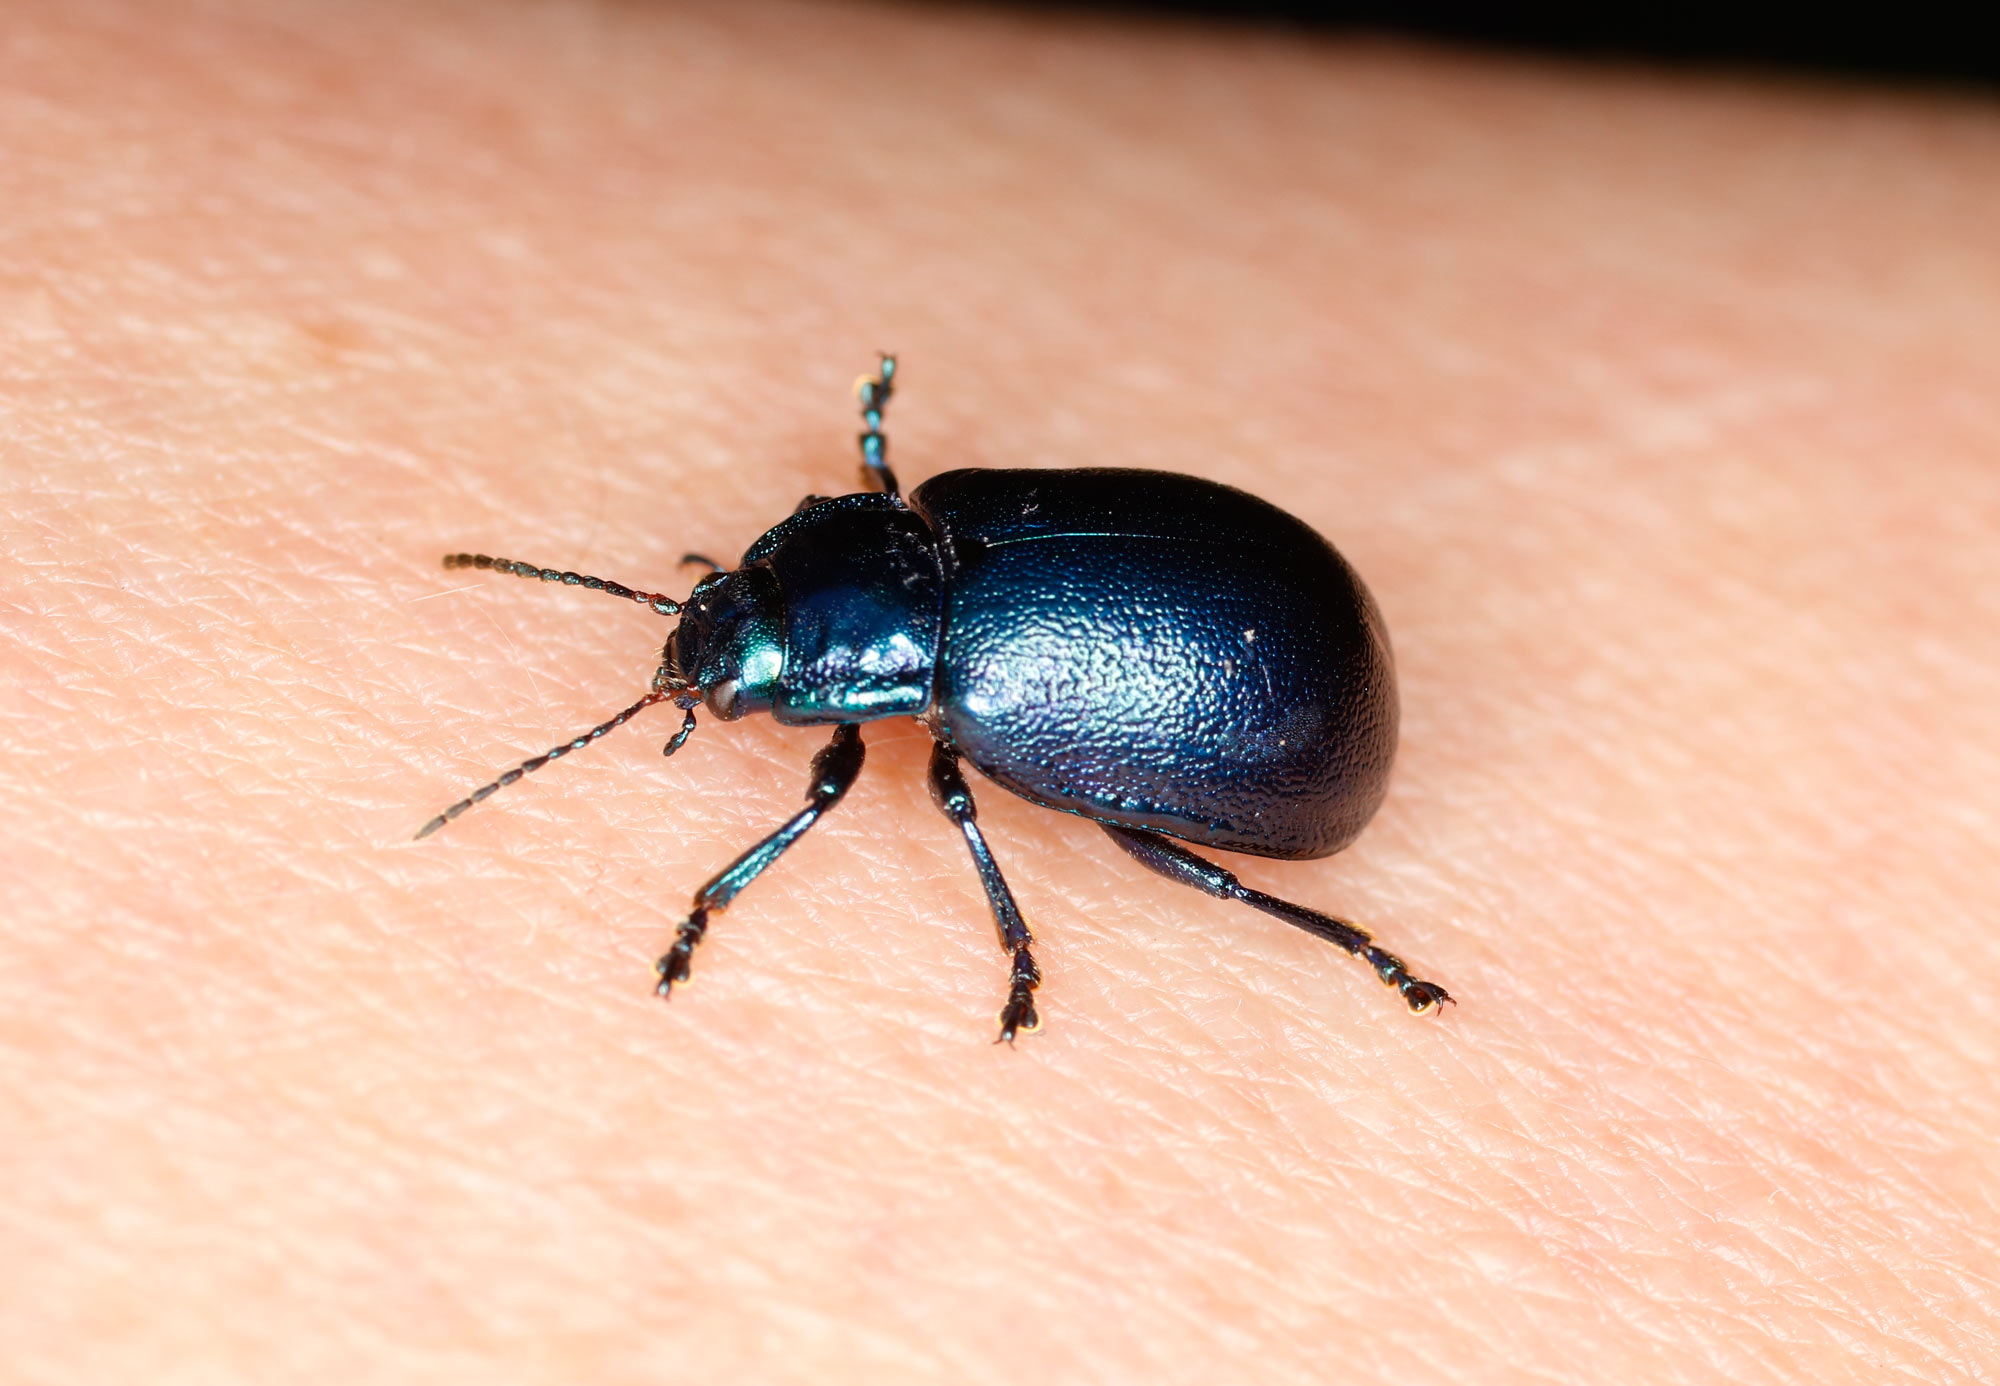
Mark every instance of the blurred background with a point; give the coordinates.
(1953, 44)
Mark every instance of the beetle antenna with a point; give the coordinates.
(654, 601)
(486, 791)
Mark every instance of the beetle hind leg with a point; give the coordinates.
(1177, 863)
(954, 800)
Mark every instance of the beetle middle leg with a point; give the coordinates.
(1177, 863)
(874, 392)
(954, 798)
(834, 770)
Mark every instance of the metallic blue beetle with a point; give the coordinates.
(1168, 657)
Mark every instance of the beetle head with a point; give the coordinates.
(730, 643)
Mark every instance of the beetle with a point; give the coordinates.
(1171, 658)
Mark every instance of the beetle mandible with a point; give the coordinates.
(1168, 657)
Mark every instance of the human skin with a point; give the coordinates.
(1661, 413)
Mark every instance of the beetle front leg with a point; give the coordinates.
(954, 799)
(1177, 863)
(834, 770)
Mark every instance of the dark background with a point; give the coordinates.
(1921, 42)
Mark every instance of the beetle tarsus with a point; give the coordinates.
(1417, 994)
(677, 963)
(1019, 1015)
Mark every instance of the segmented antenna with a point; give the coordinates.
(655, 601)
(528, 767)
(873, 392)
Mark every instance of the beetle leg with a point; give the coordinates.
(954, 799)
(874, 392)
(1177, 863)
(834, 771)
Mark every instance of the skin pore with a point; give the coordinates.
(1657, 410)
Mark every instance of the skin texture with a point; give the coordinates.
(1660, 412)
